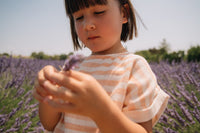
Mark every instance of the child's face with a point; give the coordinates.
(99, 27)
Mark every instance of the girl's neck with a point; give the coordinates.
(105, 52)
(113, 50)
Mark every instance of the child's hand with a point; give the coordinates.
(84, 96)
(39, 91)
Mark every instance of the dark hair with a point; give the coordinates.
(128, 28)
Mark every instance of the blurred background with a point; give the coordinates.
(42, 25)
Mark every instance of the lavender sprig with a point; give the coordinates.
(72, 62)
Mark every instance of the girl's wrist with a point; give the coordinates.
(106, 111)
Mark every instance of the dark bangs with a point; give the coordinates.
(75, 5)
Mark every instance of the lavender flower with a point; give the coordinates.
(34, 113)
(2, 119)
(168, 130)
(17, 123)
(39, 129)
(28, 100)
(174, 124)
(33, 105)
(179, 118)
(186, 113)
(26, 118)
(12, 130)
(19, 92)
(12, 112)
(72, 62)
(27, 126)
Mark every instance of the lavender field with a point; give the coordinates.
(19, 112)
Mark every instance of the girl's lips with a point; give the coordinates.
(93, 37)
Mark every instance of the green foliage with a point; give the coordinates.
(162, 53)
(154, 54)
(63, 57)
(39, 55)
(4, 54)
(42, 55)
(193, 54)
(174, 56)
(150, 57)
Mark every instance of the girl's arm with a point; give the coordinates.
(112, 120)
(49, 117)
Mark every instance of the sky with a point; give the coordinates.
(28, 26)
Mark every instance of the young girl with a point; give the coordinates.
(112, 90)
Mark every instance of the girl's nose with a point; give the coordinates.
(89, 25)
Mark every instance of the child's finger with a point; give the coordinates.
(39, 89)
(40, 77)
(62, 80)
(62, 107)
(37, 96)
(41, 74)
(60, 92)
(77, 75)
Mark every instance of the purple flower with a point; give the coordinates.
(179, 118)
(174, 124)
(186, 113)
(12, 130)
(28, 93)
(168, 130)
(12, 112)
(27, 126)
(33, 105)
(17, 122)
(39, 129)
(20, 103)
(28, 100)
(72, 62)
(19, 92)
(2, 119)
(26, 118)
(34, 113)
(196, 116)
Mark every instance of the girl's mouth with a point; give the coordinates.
(93, 37)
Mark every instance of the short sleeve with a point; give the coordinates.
(144, 100)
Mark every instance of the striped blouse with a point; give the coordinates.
(130, 83)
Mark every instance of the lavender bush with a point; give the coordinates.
(182, 82)
(19, 110)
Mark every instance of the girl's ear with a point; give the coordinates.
(125, 13)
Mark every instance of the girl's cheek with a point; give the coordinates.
(78, 28)
(80, 33)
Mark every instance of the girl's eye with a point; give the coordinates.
(79, 18)
(101, 12)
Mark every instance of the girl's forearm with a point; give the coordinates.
(112, 120)
(49, 117)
